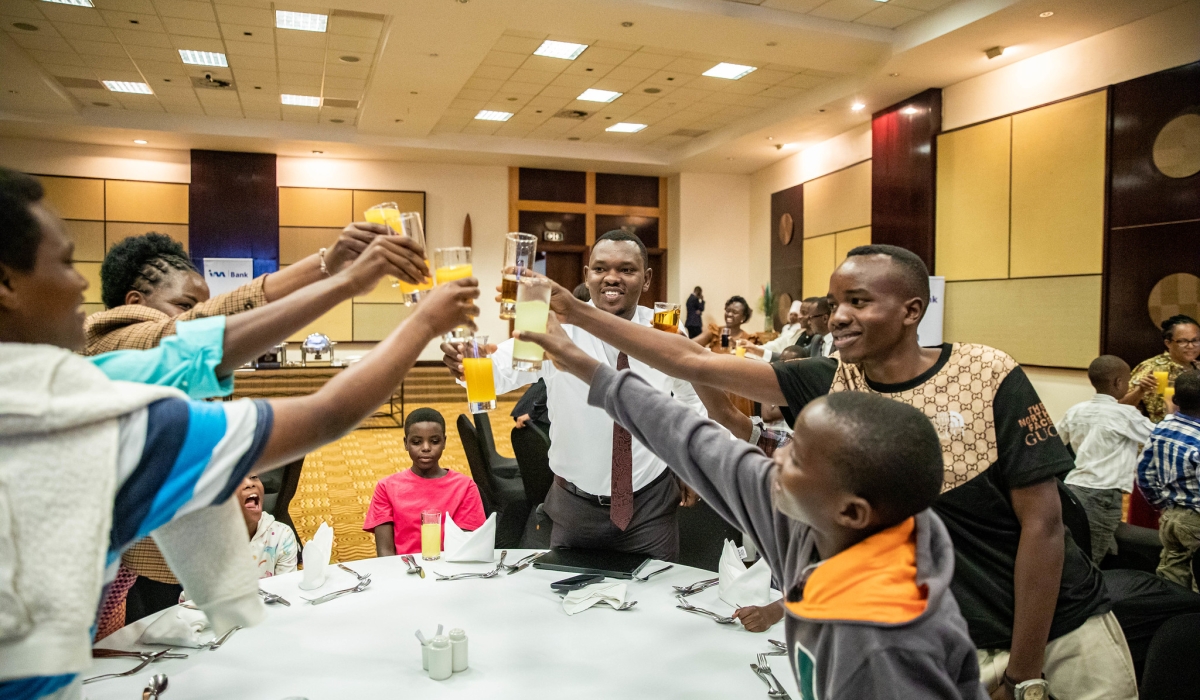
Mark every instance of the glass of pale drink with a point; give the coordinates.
(533, 311)
(431, 534)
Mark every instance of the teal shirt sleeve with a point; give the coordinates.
(187, 360)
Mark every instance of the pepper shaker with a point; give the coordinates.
(441, 658)
(458, 648)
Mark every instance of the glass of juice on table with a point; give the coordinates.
(666, 317)
(431, 535)
(408, 224)
(533, 310)
(477, 370)
(453, 264)
(1162, 378)
(520, 250)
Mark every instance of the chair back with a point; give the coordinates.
(533, 460)
(487, 441)
(480, 472)
(1171, 670)
(702, 535)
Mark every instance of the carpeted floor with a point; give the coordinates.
(339, 479)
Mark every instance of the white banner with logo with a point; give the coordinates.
(227, 274)
(929, 333)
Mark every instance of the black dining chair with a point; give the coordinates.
(702, 535)
(532, 447)
(501, 466)
(279, 487)
(502, 495)
(1171, 671)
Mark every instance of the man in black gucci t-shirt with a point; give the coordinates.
(1034, 603)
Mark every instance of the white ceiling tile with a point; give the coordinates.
(643, 59)
(44, 26)
(86, 32)
(889, 16)
(766, 76)
(604, 56)
(739, 87)
(664, 52)
(800, 6)
(67, 71)
(263, 4)
(186, 9)
(781, 92)
(356, 44)
(922, 5)
(218, 98)
(246, 32)
(344, 25)
(513, 44)
(249, 48)
(192, 27)
(62, 58)
(511, 88)
(844, 10)
(348, 70)
(295, 37)
(68, 13)
(464, 105)
(255, 77)
(618, 45)
(804, 82)
(497, 72)
(299, 114)
(581, 82)
(161, 69)
(172, 95)
(114, 65)
(524, 75)
(132, 21)
(546, 64)
(43, 43)
(97, 48)
(595, 70)
(475, 94)
(622, 86)
(255, 17)
(253, 63)
(311, 83)
(197, 43)
(670, 79)
(146, 106)
(561, 91)
(184, 108)
(504, 59)
(337, 81)
(633, 73)
(20, 8)
(301, 67)
(340, 94)
(133, 39)
(142, 7)
(690, 66)
(485, 84)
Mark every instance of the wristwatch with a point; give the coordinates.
(1032, 689)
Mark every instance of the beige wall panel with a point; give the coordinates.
(306, 206)
(1058, 154)
(90, 272)
(972, 202)
(338, 324)
(115, 232)
(75, 197)
(405, 201)
(384, 293)
(295, 244)
(373, 322)
(158, 202)
(1053, 321)
(819, 263)
(838, 201)
(846, 241)
(89, 239)
(90, 309)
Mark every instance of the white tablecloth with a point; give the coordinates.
(522, 644)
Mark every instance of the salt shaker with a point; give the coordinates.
(441, 658)
(458, 648)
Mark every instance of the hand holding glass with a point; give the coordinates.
(533, 312)
(477, 371)
(1162, 378)
(453, 264)
(520, 250)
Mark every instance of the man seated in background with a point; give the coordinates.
(821, 344)
(1106, 437)
(794, 333)
(1168, 476)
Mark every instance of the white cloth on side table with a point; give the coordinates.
(740, 586)
(316, 558)
(479, 545)
(178, 627)
(581, 599)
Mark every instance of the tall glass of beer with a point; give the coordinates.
(453, 264)
(533, 312)
(666, 317)
(520, 250)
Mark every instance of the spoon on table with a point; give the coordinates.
(158, 685)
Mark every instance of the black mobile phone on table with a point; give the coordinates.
(576, 582)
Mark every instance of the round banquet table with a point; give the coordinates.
(521, 643)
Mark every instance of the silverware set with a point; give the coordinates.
(524, 563)
(696, 587)
(269, 598)
(158, 684)
(147, 659)
(639, 576)
(763, 670)
(353, 573)
(500, 566)
(719, 619)
(362, 585)
(413, 568)
(779, 650)
(117, 653)
(217, 643)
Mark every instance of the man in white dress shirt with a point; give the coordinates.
(609, 491)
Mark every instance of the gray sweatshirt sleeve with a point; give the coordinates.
(733, 476)
(900, 674)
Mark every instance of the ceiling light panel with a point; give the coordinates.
(300, 100)
(203, 58)
(302, 21)
(594, 95)
(626, 128)
(560, 49)
(729, 71)
(76, 3)
(123, 86)
(489, 115)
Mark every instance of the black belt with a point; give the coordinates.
(604, 501)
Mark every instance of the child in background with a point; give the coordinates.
(1106, 437)
(395, 513)
(1167, 475)
(272, 543)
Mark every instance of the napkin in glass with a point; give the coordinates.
(316, 558)
(740, 586)
(178, 627)
(581, 599)
(479, 545)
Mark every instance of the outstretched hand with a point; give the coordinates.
(565, 354)
(562, 300)
(448, 306)
(397, 256)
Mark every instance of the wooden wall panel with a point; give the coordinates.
(88, 237)
(311, 207)
(90, 309)
(838, 201)
(90, 272)
(903, 173)
(405, 201)
(973, 201)
(1052, 321)
(373, 322)
(846, 241)
(338, 324)
(553, 185)
(235, 208)
(819, 263)
(151, 202)
(787, 261)
(117, 231)
(295, 244)
(1058, 163)
(627, 190)
(75, 197)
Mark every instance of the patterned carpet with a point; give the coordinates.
(338, 480)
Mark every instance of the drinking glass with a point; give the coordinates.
(520, 250)
(453, 264)
(1162, 378)
(725, 337)
(431, 535)
(666, 317)
(1169, 393)
(477, 370)
(533, 311)
(385, 213)
(408, 224)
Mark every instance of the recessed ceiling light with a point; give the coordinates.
(300, 100)
(302, 21)
(729, 71)
(25, 26)
(626, 128)
(627, 24)
(909, 110)
(770, 138)
(140, 142)
(337, 121)
(491, 115)
(203, 58)
(124, 86)
(594, 95)
(857, 107)
(349, 59)
(318, 152)
(994, 52)
(76, 3)
(560, 49)
(1046, 14)
(102, 104)
(652, 90)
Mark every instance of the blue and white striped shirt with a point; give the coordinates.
(1167, 470)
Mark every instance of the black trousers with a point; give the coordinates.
(694, 331)
(654, 531)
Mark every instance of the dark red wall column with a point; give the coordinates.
(904, 173)
(233, 208)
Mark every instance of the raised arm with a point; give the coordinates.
(305, 423)
(353, 240)
(722, 410)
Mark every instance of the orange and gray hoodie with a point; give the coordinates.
(876, 620)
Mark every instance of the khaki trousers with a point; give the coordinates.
(1091, 663)
(1179, 532)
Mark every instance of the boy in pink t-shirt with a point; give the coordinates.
(396, 507)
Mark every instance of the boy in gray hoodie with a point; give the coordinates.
(842, 517)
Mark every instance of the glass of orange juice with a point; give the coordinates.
(453, 264)
(477, 370)
(408, 224)
(1162, 378)
(431, 534)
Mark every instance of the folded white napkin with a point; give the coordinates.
(479, 545)
(178, 627)
(583, 598)
(316, 558)
(740, 586)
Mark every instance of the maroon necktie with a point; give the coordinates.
(621, 511)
